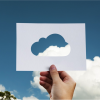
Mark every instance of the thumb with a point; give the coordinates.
(54, 74)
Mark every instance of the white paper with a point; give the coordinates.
(29, 33)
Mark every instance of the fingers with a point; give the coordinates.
(54, 74)
(45, 79)
(46, 73)
(62, 74)
(46, 86)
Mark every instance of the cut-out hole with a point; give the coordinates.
(53, 45)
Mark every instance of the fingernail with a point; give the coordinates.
(53, 67)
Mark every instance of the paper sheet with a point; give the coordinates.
(31, 38)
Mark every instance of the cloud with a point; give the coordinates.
(48, 95)
(44, 43)
(56, 51)
(30, 98)
(2, 88)
(36, 73)
(87, 82)
(35, 82)
(14, 91)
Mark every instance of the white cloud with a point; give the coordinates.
(35, 82)
(56, 51)
(87, 82)
(14, 91)
(30, 98)
(36, 73)
(2, 88)
(48, 95)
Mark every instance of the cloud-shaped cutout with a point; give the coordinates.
(53, 45)
(56, 51)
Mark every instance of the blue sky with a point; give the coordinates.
(87, 12)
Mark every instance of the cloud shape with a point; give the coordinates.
(44, 43)
(35, 84)
(56, 51)
(87, 82)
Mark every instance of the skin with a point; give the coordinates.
(58, 84)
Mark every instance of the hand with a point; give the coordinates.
(58, 84)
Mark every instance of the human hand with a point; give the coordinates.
(58, 84)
